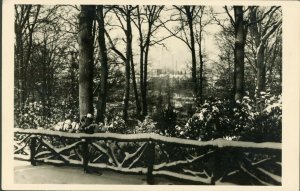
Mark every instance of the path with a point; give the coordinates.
(46, 174)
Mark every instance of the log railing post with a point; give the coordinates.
(32, 150)
(215, 165)
(85, 154)
(218, 168)
(151, 159)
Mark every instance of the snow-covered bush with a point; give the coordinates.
(235, 121)
(211, 121)
(116, 125)
(166, 120)
(33, 115)
(268, 122)
(67, 126)
(146, 126)
(37, 115)
(249, 120)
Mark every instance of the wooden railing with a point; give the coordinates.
(210, 162)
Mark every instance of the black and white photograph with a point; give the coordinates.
(151, 94)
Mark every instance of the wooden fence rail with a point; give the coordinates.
(210, 162)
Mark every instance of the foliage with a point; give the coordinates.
(148, 125)
(248, 120)
(269, 121)
(31, 116)
(38, 115)
(166, 121)
(116, 125)
(234, 120)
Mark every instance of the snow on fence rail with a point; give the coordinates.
(209, 162)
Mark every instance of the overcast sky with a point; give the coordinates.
(176, 54)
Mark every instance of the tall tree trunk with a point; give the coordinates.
(21, 58)
(142, 77)
(141, 46)
(101, 105)
(201, 68)
(261, 37)
(136, 95)
(200, 94)
(144, 48)
(261, 72)
(85, 40)
(260, 52)
(19, 65)
(192, 47)
(239, 49)
(273, 60)
(29, 49)
(152, 14)
(44, 80)
(127, 66)
(144, 93)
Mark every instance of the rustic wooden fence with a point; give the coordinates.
(210, 162)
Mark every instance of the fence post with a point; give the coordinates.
(218, 168)
(215, 166)
(32, 150)
(85, 155)
(151, 158)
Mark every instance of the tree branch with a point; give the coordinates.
(272, 9)
(231, 19)
(264, 38)
(114, 48)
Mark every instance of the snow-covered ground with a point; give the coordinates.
(24, 173)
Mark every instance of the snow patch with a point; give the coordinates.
(183, 176)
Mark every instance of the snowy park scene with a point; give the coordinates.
(147, 94)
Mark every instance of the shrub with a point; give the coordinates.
(116, 125)
(146, 126)
(268, 122)
(235, 121)
(166, 120)
(36, 115)
(33, 115)
(249, 120)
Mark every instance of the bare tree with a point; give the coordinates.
(125, 12)
(186, 15)
(26, 19)
(190, 13)
(200, 24)
(149, 15)
(273, 63)
(101, 105)
(263, 26)
(261, 34)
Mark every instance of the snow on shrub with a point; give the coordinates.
(37, 115)
(249, 120)
(235, 120)
(66, 126)
(269, 121)
(32, 115)
(166, 121)
(146, 126)
(116, 125)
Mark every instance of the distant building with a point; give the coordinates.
(156, 72)
(169, 73)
